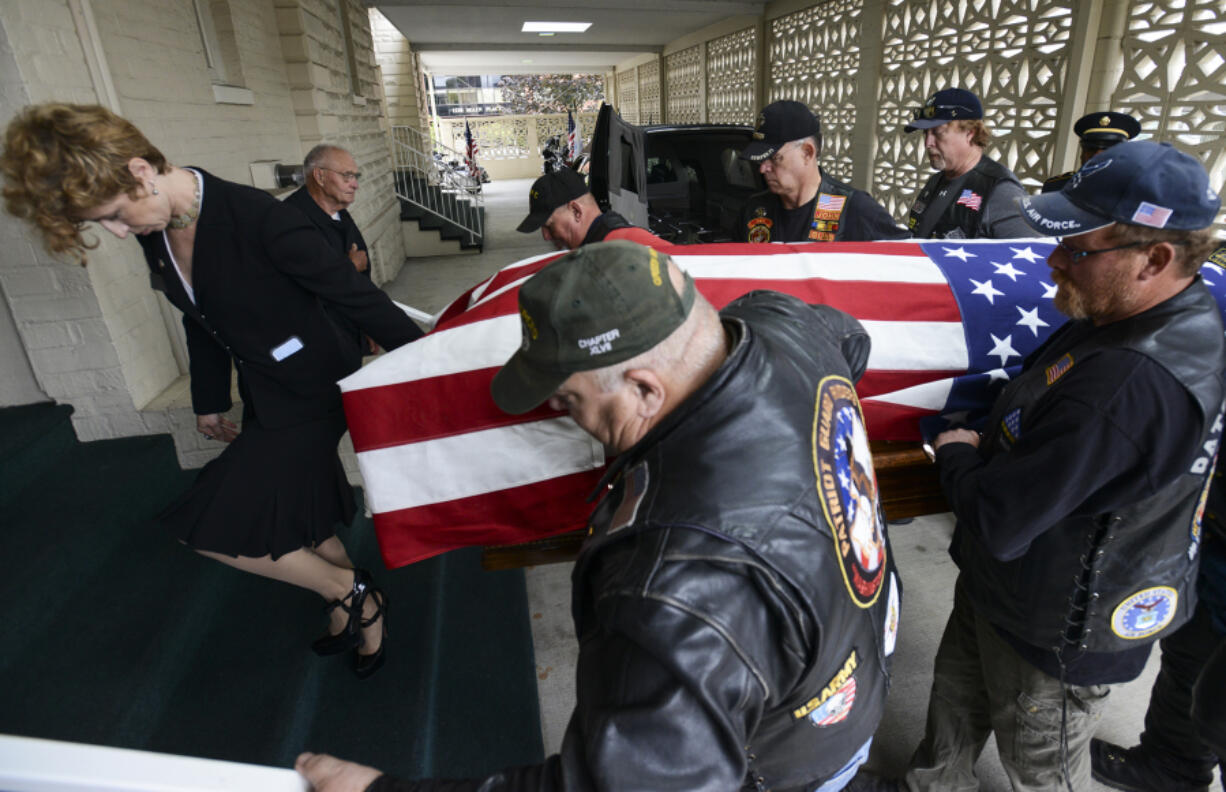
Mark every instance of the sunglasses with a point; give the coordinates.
(930, 111)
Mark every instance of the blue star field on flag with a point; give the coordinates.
(1004, 292)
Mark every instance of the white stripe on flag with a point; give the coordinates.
(479, 345)
(916, 346)
(474, 463)
(929, 396)
(828, 266)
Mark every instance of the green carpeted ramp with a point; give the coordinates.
(115, 634)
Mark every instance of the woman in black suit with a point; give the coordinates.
(252, 277)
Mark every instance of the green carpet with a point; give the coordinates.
(115, 634)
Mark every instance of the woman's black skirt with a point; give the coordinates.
(271, 492)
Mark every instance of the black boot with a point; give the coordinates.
(1133, 770)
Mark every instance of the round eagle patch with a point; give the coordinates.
(848, 489)
(1145, 613)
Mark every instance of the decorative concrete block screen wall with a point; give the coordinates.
(1038, 65)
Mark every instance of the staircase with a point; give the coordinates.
(434, 195)
(115, 634)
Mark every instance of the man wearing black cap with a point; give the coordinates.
(802, 202)
(560, 205)
(1079, 507)
(971, 195)
(735, 621)
(1098, 131)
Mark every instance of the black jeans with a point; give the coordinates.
(1172, 738)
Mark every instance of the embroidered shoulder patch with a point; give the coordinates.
(835, 700)
(1144, 613)
(847, 486)
(1058, 369)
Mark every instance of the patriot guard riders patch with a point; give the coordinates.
(1145, 613)
(848, 489)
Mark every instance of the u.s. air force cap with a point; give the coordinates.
(1105, 129)
(597, 306)
(1139, 182)
(780, 123)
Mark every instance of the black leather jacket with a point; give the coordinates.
(735, 614)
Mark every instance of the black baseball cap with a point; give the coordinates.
(596, 306)
(1105, 129)
(1139, 182)
(779, 123)
(949, 104)
(548, 193)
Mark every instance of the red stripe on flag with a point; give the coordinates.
(523, 514)
(893, 423)
(865, 300)
(427, 409)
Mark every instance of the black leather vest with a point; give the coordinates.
(934, 216)
(1112, 581)
(760, 218)
(733, 470)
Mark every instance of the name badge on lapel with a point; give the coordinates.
(288, 347)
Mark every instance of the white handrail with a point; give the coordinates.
(28, 764)
(423, 178)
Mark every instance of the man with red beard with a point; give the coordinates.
(1078, 507)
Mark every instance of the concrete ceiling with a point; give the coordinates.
(468, 37)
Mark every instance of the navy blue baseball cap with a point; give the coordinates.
(950, 104)
(1138, 182)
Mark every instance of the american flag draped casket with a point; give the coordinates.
(445, 468)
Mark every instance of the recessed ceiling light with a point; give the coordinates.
(555, 27)
(526, 60)
(546, 34)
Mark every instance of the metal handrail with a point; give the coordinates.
(424, 179)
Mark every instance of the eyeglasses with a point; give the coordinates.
(930, 111)
(346, 175)
(1077, 255)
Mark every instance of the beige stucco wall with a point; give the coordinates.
(99, 338)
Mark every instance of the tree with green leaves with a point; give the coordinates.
(551, 93)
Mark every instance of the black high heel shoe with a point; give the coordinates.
(350, 635)
(365, 665)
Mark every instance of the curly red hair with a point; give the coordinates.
(61, 160)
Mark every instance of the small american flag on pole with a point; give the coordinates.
(970, 199)
(444, 468)
(470, 152)
(572, 139)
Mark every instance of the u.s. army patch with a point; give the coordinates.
(835, 700)
(1145, 613)
(847, 486)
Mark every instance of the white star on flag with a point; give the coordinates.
(1026, 253)
(997, 374)
(958, 253)
(1008, 269)
(1004, 348)
(1049, 290)
(1031, 319)
(987, 290)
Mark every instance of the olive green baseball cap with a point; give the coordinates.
(597, 306)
